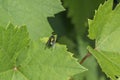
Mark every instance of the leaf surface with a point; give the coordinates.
(18, 61)
(79, 11)
(105, 29)
(31, 13)
(12, 41)
(52, 64)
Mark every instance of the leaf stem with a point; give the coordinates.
(85, 57)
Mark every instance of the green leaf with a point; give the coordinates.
(108, 62)
(80, 11)
(32, 13)
(52, 64)
(105, 29)
(18, 61)
(12, 41)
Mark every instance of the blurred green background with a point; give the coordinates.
(71, 27)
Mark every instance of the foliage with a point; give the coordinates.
(38, 10)
(105, 30)
(23, 51)
(80, 11)
(32, 62)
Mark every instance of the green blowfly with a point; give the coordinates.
(51, 41)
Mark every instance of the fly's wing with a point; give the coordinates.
(55, 37)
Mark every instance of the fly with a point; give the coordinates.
(52, 40)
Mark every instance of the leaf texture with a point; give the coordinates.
(105, 29)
